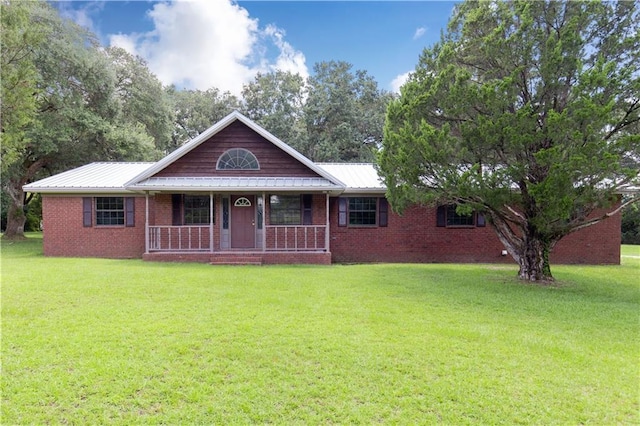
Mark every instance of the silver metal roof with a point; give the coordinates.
(358, 177)
(113, 178)
(93, 177)
(258, 183)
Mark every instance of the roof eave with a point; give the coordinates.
(84, 190)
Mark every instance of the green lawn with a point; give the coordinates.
(89, 341)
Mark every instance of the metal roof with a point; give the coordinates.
(258, 183)
(93, 177)
(358, 177)
(106, 177)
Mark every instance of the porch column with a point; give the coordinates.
(146, 222)
(326, 232)
(264, 222)
(211, 222)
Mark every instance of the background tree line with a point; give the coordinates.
(67, 101)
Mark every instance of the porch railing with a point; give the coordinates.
(296, 237)
(179, 238)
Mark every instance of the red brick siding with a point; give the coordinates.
(414, 237)
(64, 234)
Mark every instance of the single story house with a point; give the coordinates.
(238, 194)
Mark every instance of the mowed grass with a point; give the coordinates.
(91, 341)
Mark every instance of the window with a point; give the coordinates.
(190, 209)
(448, 216)
(284, 210)
(109, 211)
(238, 159)
(455, 219)
(363, 211)
(196, 209)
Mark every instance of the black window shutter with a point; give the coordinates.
(383, 212)
(342, 211)
(87, 203)
(176, 203)
(480, 220)
(130, 211)
(441, 216)
(307, 219)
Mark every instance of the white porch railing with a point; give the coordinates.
(296, 237)
(180, 238)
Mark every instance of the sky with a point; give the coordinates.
(200, 44)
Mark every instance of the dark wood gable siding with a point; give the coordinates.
(202, 160)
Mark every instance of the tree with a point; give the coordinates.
(276, 101)
(631, 224)
(526, 111)
(74, 114)
(196, 110)
(344, 114)
(143, 100)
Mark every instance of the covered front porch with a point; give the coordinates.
(238, 227)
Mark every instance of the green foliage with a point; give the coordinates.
(196, 110)
(68, 102)
(94, 341)
(631, 224)
(344, 114)
(276, 102)
(528, 111)
(18, 78)
(144, 105)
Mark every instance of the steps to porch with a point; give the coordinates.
(236, 259)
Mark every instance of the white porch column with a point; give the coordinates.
(211, 222)
(326, 232)
(146, 222)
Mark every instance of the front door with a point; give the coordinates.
(243, 221)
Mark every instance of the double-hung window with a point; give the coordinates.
(191, 209)
(108, 211)
(290, 209)
(196, 209)
(285, 210)
(448, 216)
(362, 211)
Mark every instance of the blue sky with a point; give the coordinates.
(217, 43)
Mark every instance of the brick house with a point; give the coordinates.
(237, 194)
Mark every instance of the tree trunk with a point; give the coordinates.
(16, 218)
(534, 260)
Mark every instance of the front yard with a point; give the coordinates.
(90, 341)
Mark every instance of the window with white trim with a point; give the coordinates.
(238, 159)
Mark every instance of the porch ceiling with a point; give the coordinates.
(234, 184)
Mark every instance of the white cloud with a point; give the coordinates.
(81, 15)
(209, 43)
(399, 81)
(419, 33)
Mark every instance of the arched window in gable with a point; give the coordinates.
(238, 159)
